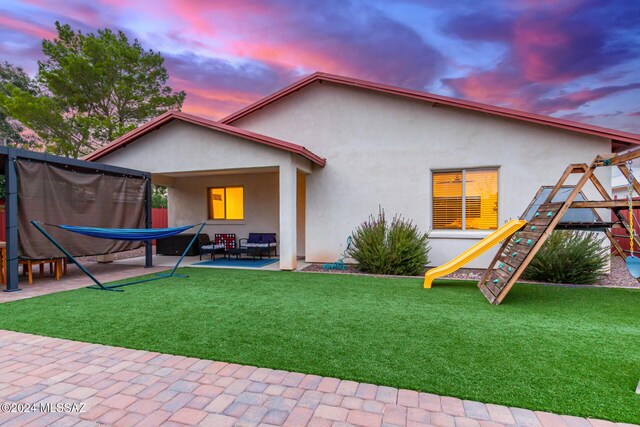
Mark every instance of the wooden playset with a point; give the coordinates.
(559, 207)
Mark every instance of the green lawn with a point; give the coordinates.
(567, 350)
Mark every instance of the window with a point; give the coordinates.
(465, 199)
(226, 203)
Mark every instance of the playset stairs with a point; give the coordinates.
(517, 251)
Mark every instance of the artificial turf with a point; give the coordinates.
(566, 350)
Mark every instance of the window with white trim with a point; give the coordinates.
(465, 199)
(226, 203)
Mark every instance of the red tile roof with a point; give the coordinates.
(621, 139)
(169, 116)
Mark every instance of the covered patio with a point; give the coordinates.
(235, 181)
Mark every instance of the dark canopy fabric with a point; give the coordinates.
(53, 195)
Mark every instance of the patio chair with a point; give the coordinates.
(260, 243)
(209, 247)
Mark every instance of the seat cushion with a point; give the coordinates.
(211, 247)
(257, 245)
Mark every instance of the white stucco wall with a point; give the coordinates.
(179, 147)
(381, 150)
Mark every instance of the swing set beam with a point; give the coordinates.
(620, 204)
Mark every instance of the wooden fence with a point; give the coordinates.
(159, 218)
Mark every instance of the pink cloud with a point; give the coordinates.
(212, 93)
(551, 47)
(288, 54)
(535, 45)
(207, 18)
(497, 87)
(26, 27)
(215, 104)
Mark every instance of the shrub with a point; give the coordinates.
(569, 257)
(398, 248)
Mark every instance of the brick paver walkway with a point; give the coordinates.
(123, 387)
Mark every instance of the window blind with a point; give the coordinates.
(447, 200)
(481, 199)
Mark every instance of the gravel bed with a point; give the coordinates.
(619, 277)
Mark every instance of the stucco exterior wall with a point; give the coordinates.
(382, 149)
(184, 147)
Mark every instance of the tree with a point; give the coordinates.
(12, 132)
(97, 87)
(159, 196)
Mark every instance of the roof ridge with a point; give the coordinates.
(170, 115)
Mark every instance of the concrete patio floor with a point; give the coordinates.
(123, 387)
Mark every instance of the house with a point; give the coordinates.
(315, 159)
(620, 185)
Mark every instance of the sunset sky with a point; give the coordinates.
(575, 59)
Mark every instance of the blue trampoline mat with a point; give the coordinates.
(242, 262)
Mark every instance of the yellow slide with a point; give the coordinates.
(474, 251)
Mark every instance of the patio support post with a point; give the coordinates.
(148, 247)
(287, 238)
(11, 212)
